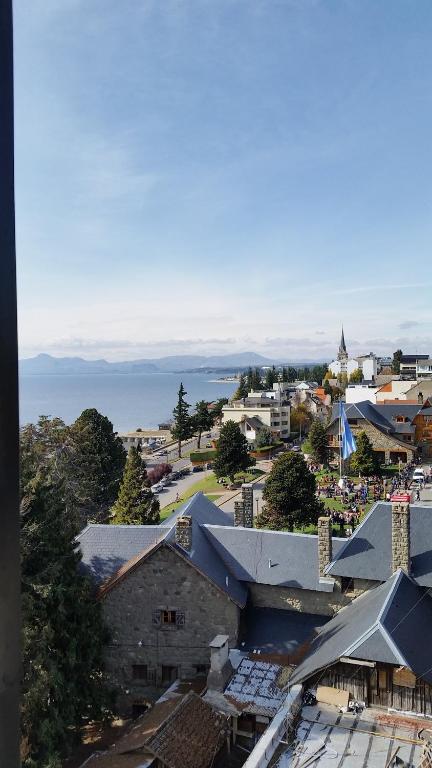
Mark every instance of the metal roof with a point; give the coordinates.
(367, 553)
(270, 557)
(390, 624)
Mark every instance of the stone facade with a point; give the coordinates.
(162, 617)
(324, 543)
(401, 536)
(307, 600)
(183, 532)
(382, 443)
(239, 513)
(247, 496)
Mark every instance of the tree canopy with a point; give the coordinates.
(202, 419)
(397, 357)
(232, 454)
(364, 461)
(136, 504)
(264, 437)
(63, 633)
(356, 377)
(242, 390)
(318, 442)
(182, 427)
(289, 495)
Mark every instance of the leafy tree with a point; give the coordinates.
(356, 376)
(290, 495)
(216, 410)
(342, 380)
(231, 452)
(94, 462)
(318, 442)
(300, 418)
(242, 389)
(182, 427)
(327, 387)
(136, 504)
(63, 633)
(264, 437)
(365, 461)
(397, 357)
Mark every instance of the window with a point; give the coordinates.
(169, 674)
(284, 423)
(347, 584)
(168, 617)
(139, 671)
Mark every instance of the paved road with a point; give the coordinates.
(188, 445)
(169, 493)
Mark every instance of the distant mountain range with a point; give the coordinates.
(47, 364)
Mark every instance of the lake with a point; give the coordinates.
(129, 400)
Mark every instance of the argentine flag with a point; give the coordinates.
(348, 442)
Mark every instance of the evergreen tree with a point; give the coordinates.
(63, 634)
(290, 495)
(271, 378)
(231, 452)
(216, 410)
(95, 460)
(136, 504)
(284, 374)
(249, 379)
(327, 387)
(242, 389)
(256, 380)
(182, 427)
(202, 419)
(397, 357)
(365, 461)
(41, 449)
(318, 442)
(264, 438)
(291, 374)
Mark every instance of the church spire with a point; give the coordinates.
(342, 345)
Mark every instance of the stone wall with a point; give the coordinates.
(379, 440)
(401, 536)
(306, 600)
(132, 610)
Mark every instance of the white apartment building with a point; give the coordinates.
(271, 412)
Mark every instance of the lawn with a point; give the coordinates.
(210, 487)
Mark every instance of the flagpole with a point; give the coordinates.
(340, 439)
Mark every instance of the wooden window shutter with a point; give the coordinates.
(156, 618)
(180, 618)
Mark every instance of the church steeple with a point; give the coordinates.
(342, 354)
(342, 345)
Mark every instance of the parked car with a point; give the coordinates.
(198, 468)
(163, 453)
(157, 488)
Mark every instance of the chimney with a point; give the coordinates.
(324, 544)
(220, 665)
(239, 516)
(247, 496)
(401, 556)
(183, 532)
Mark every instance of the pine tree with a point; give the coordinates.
(364, 461)
(182, 427)
(256, 380)
(290, 495)
(242, 389)
(95, 460)
(231, 452)
(136, 504)
(271, 378)
(202, 419)
(318, 442)
(397, 357)
(249, 380)
(63, 634)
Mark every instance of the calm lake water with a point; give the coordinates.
(129, 401)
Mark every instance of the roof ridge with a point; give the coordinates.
(397, 576)
(263, 530)
(350, 538)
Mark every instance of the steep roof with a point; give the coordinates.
(110, 551)
(382, 417)
(391, 624)
(367, 553)
(270, 557)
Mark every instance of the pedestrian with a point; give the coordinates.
(177, 497)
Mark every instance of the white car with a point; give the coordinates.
(418, 476)
(157, 488)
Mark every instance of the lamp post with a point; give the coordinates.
(10, 655)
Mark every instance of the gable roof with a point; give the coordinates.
(109, 552)
(367, 554)
(374, 627)
(382, 417)
(270, 557)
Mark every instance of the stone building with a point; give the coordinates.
(167, 591)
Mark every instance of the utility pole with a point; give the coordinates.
(10, 643)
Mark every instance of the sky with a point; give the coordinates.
(213, 176)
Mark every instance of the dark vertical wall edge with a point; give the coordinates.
(10, 651)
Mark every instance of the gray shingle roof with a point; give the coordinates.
(270, 557)
(391, 624)
(367, 553)
(106, 548)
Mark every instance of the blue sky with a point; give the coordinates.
(206, 176)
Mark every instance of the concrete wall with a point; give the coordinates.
(164, 581)
(282, 723)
